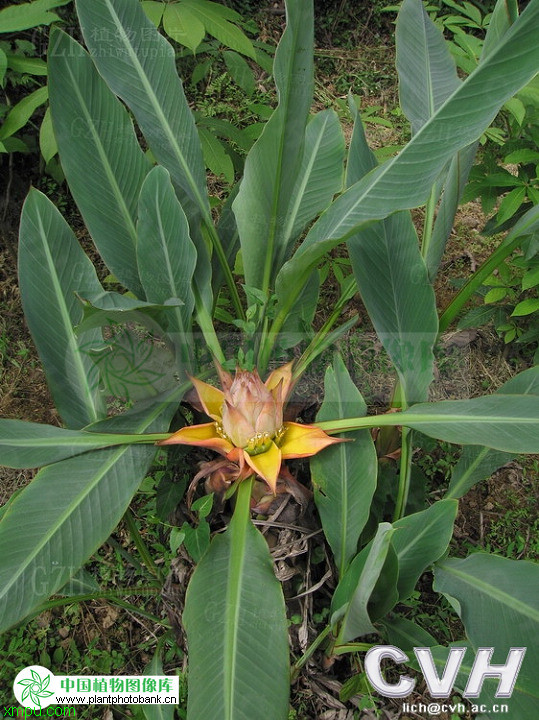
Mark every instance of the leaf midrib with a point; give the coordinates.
(236, 570)
(491, 591)
(109, 174)
(76, 356)
(166, 255)
(299, 194)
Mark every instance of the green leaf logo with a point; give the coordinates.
(35, 687)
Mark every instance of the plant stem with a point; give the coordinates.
(475, 282)
(312, 351)
(131, 559)
(271, 336)
(405, 474)
(243, 498)
(351, 647)
(141, 546)
(428, 223)
(111, 595)
(221, 256)
(309, 652)
(331, 427)
(206, 325)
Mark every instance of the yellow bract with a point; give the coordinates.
(248, 425)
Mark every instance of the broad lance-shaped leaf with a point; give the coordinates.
(320, 176)
(508, 422)
(19, 115)
(405, 180)
(505, 13)
(477, 463)
(453, 187)
(138, 64)
(427, 71)
(101, 157)
(351, 599)
(497, 600)
(271, 168)
(236, 626)
(344, 476)
(167, 257)
(30, 445)
(392, 280)
(420, 539)
(502, 422)
(52, 267)
(67, 512)
(319, 179)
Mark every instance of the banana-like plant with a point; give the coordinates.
(144, 199)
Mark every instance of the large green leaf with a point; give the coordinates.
(406, 180)
(29, 445)
(427, 71)
(52, 267)
(138, 65)
(420, 539)
(95, 133)
(453, 188)
(498, 602)
(351, 598)
(167, 257)
(508, 422)
(477, 463)
(181, 25)
(112, 308)
(504, 15)
(236, 628)
(344, 476)
(266, 197)
(392, 280)
(457, 174)
(320, 176)
(67, 512)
